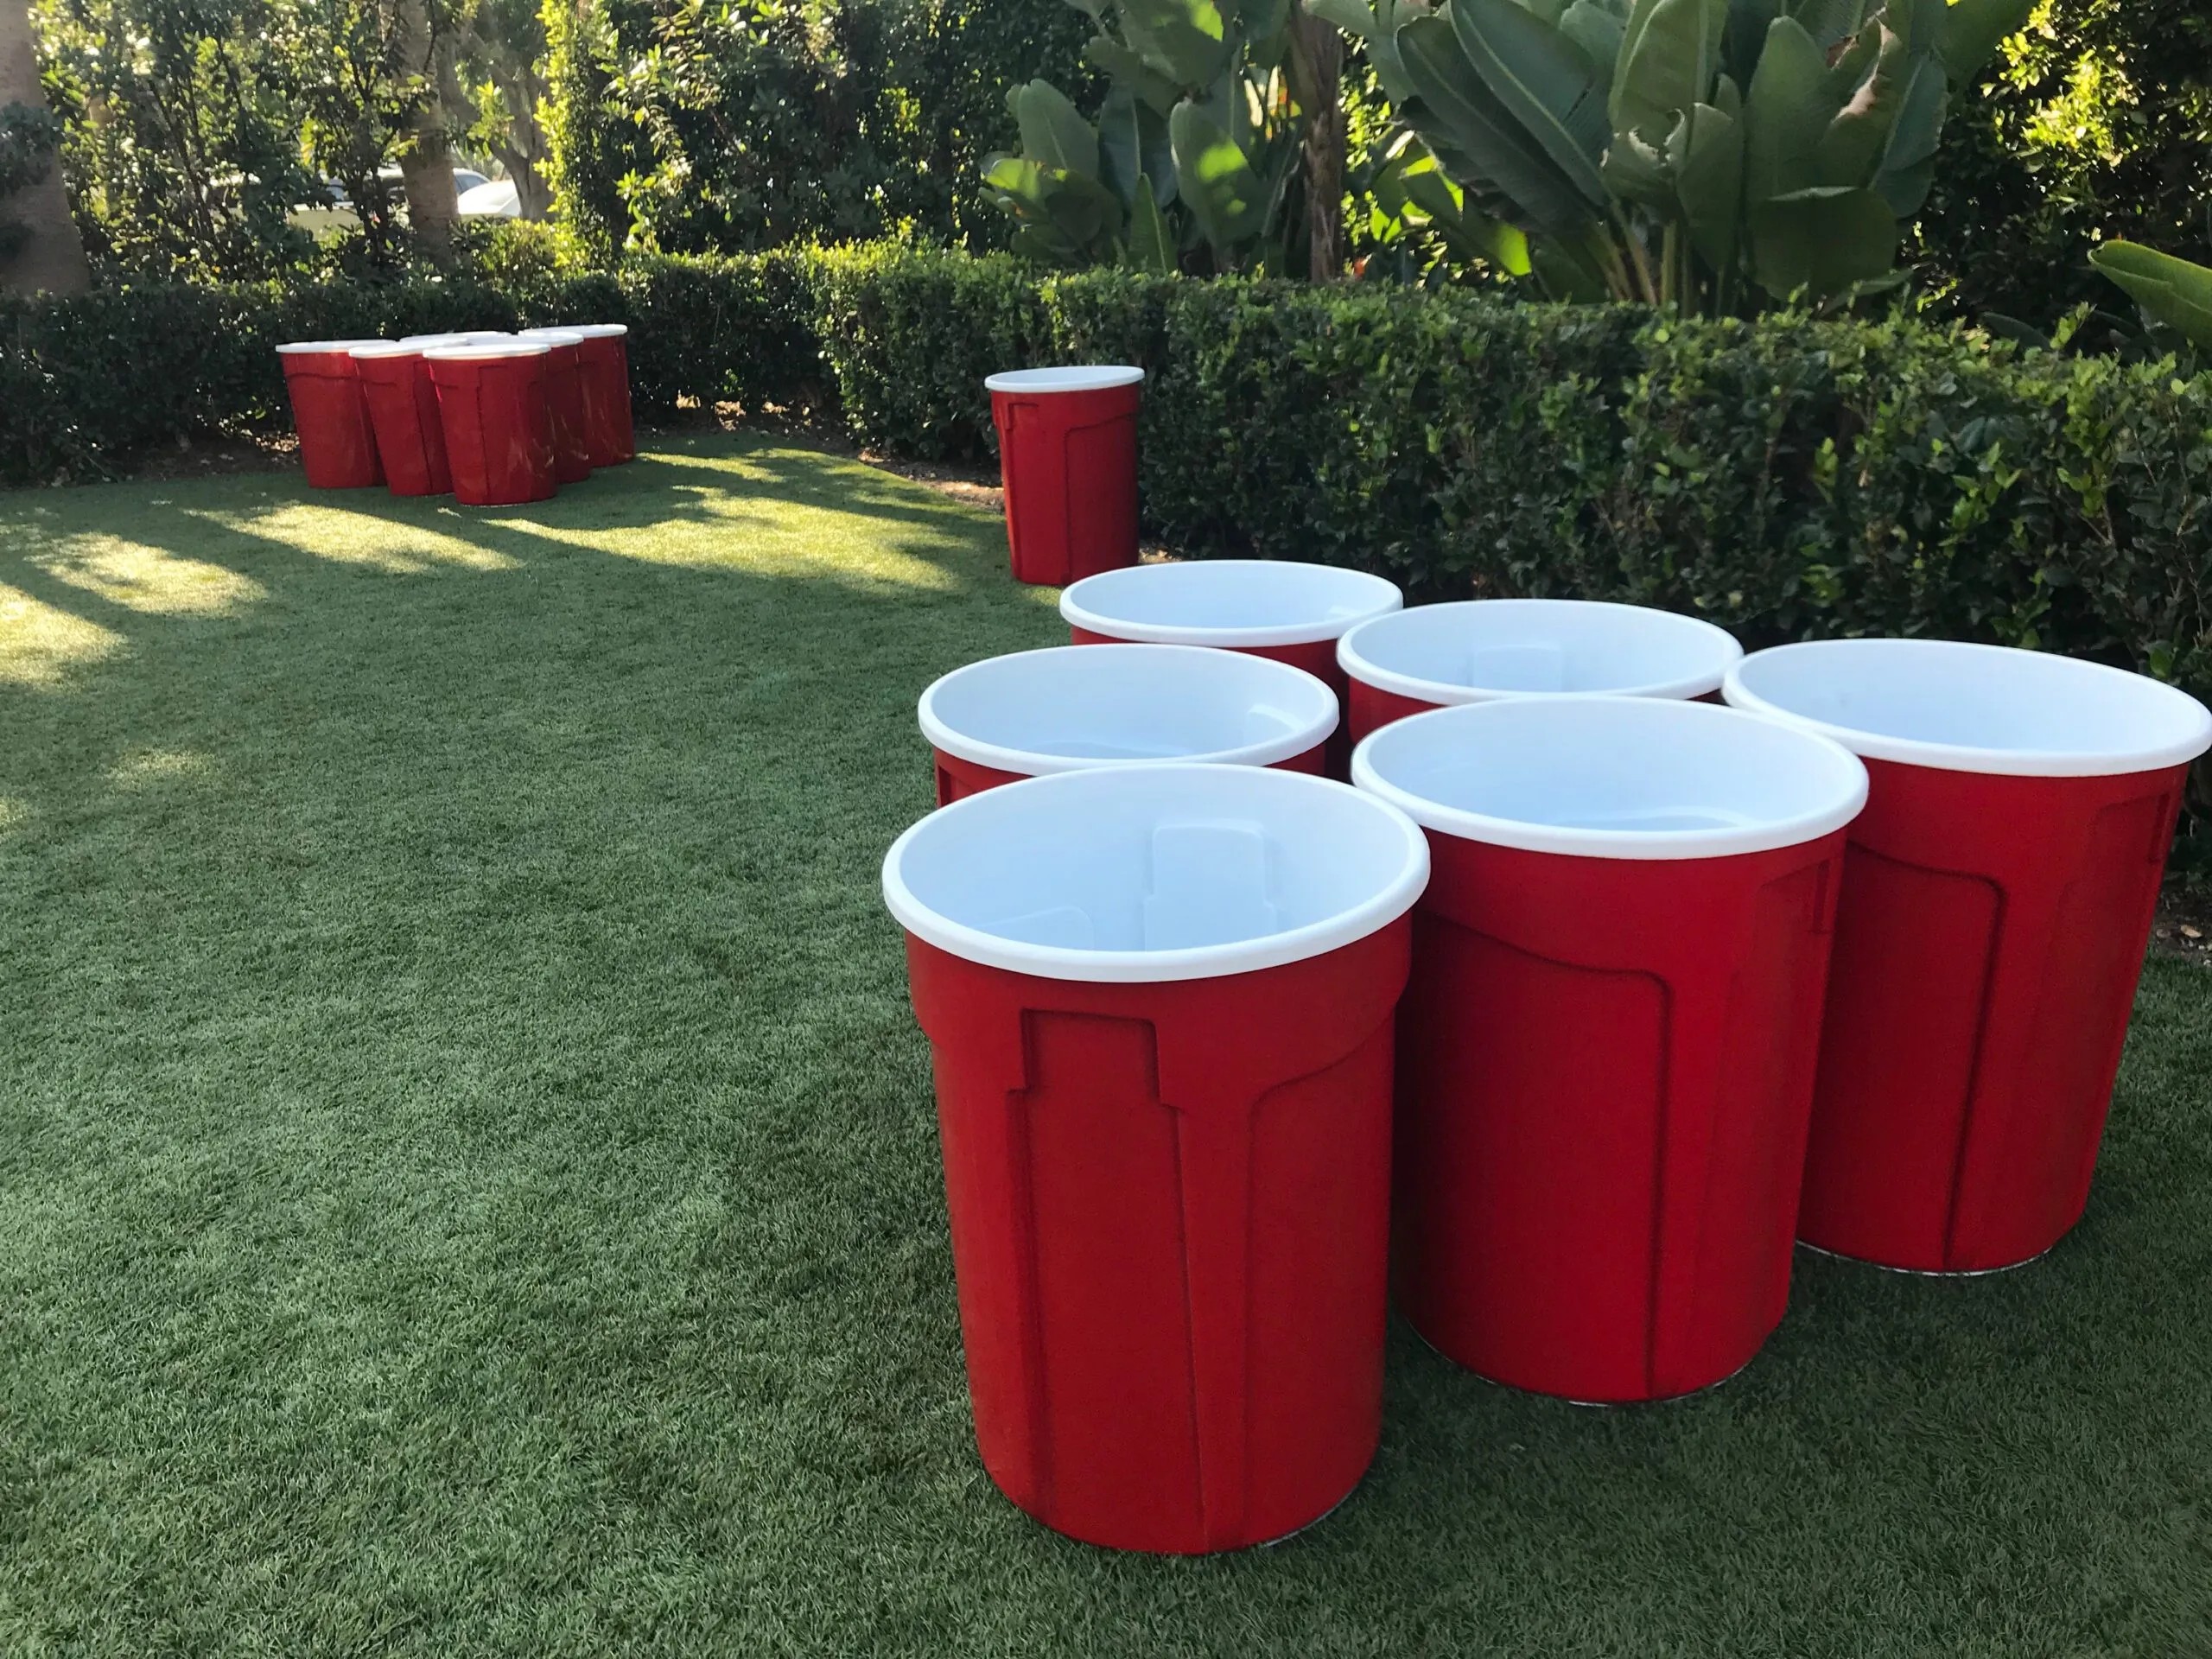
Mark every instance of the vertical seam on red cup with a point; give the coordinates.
(1996, 949)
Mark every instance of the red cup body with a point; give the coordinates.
(957, 779)
(564, 401)
(403, 409)
(1989, 940)
(338, 445)
(1170, 1219)
(498, 426)
(1069, 462)
(603, 367)
(1370, 707)
(1605, 1074)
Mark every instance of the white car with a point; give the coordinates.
(494, 198)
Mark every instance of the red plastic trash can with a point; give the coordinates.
(338, 445)
(1068, 459)
(1476, 651)
(499, 430)
(1998, 900)
(1159, 1003)
(1065, 708)
(564, 400)
(1607, 1047)
(1292, 613)
(605, 367)
(403, 412)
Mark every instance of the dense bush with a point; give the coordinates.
(1788, 477)
(2095, 123)
(688, 129)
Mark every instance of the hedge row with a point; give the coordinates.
(1790, 478)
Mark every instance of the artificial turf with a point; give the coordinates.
(468, 1179)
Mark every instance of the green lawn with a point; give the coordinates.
(468, 1181)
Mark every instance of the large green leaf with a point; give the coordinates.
(1150, 246)
(2169, 290)
(1474, 137)
(1668, 58)
(1125, 65)
(1705, 152)
(1908, 166)
(1543, 81)
(1133, 146)
(1637, 171)
(1822, 241)
(1598, 30)
(1065, 215)
(1186, 41)
(1215, 179)
(1972, 29)
(1830, 20)
(1748, 21)
(1850, 151)
(1422, 184)
(1053, 133)
(1786, 111)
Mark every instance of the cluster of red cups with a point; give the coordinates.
(1623, 963)
(493, 419)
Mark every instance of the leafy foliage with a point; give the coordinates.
(1714, 155)
(184, 151)
(684, 127)
(1197, 143)
(2096, 123)
(28, 139)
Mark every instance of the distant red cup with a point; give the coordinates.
(403, 412)
(1068, 459)
(1479, 649)
(1997, 897)
(565, 400)
(1069, 709)
(604, 358)
(498, 427)
(1277, 608)
(338, 443)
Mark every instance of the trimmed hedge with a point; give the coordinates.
(1789, 478)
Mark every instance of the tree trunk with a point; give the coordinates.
(1323, 49)
(426, 160)
(54, 258)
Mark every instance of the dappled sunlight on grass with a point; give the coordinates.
(725, 535)
(147, 766)
(41, 643)
(142, 578)
(13, 814)
(344, 535)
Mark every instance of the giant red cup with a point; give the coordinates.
(1066, 709)
(1476, 651)
(499, 430)
(403, 411)
(604, 369)
(1159, 1000)
(1276, 609)
(338, 445)
(1068, 459)
(1606, 1053)
(1998, 899)
(565, 402)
